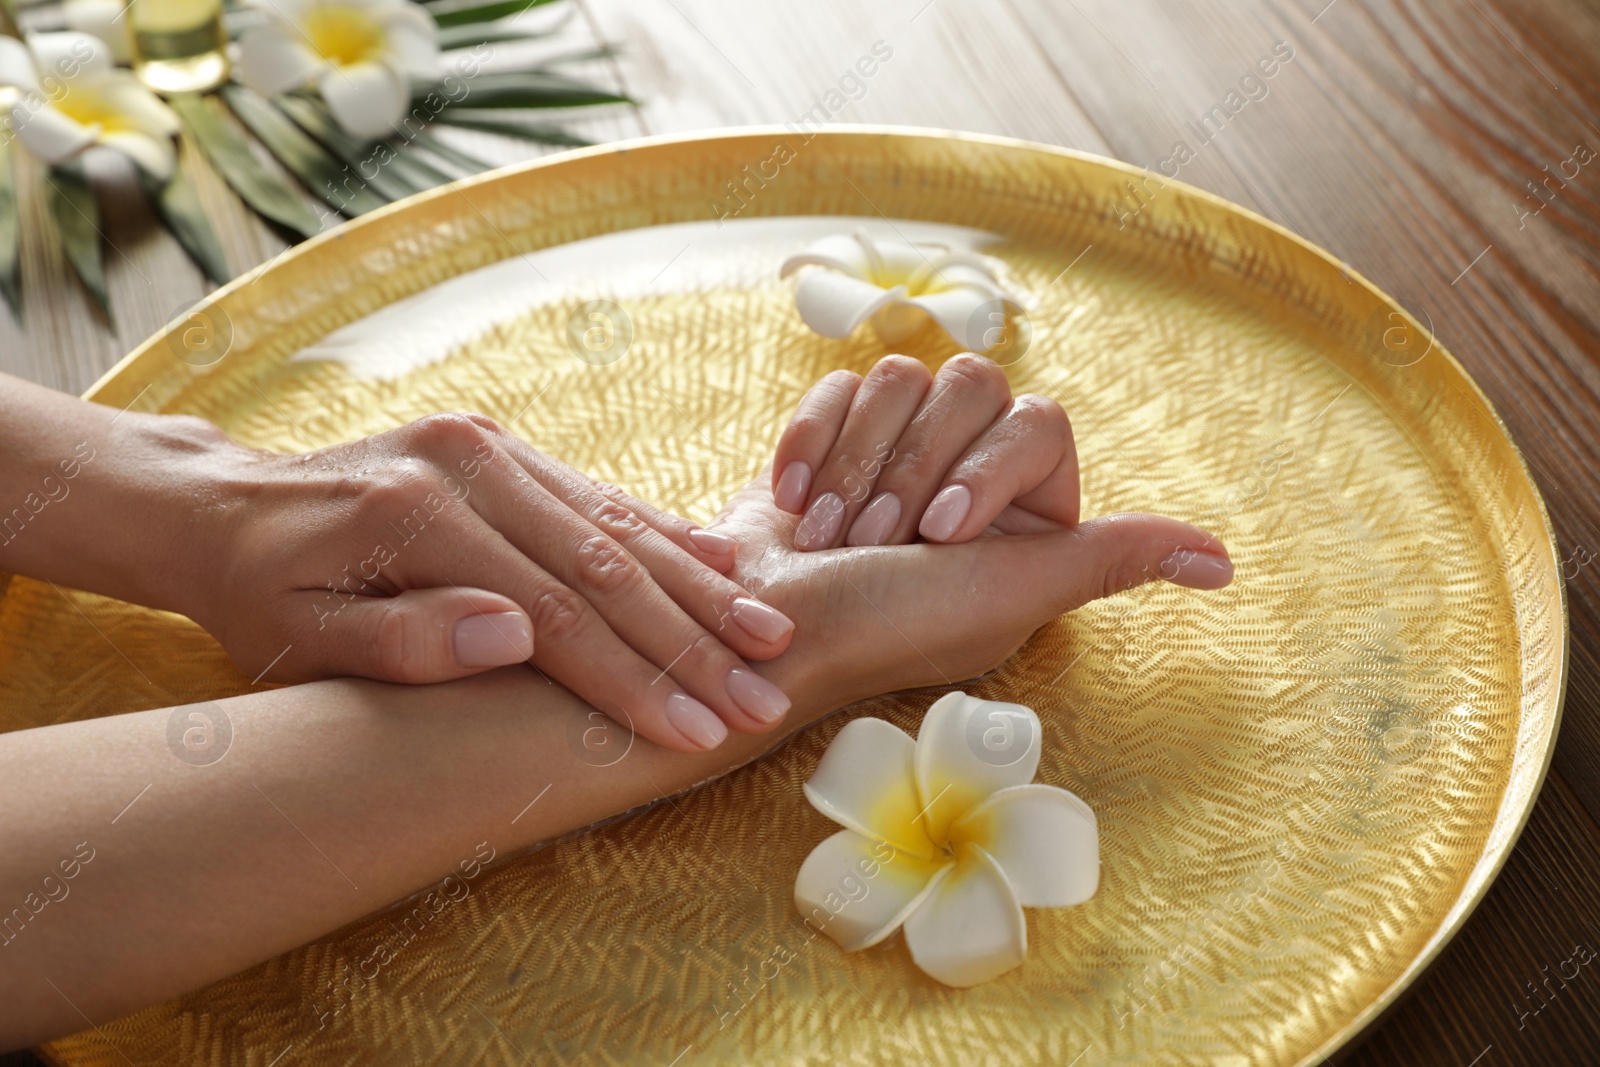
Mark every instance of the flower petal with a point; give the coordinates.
(16, 65)
(970, 928)
(127, 96)
(834, 304)
(155, 155)
(49, 134)
(950, 269)
(367, 99)
(858, 891)
(101, 19)
(70, 56)
(957, 313)
(411, 38)
(969, 748)
(1045, 839)
(865, 782)
(274, 58)
(893, 260)
(837, 251)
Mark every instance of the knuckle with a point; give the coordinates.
(449, 429)
(557, 613)
(604, 566)
(391, 645)
(900, 370)
(618, 519)
(979, 374)
(703, 656)
(1123, 575)
(1044, 415)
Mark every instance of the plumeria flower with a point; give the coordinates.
(72, 97)
(945, 836)
(898, 286)
(103, 19)
(362, 54)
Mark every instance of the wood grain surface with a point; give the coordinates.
(1435, 147)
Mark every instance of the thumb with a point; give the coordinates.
(421, 635)
(1107, 556)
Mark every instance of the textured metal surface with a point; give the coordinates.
(1304, 783)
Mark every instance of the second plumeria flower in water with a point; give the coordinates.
(947, 836)
(361, 54)
(898, 286)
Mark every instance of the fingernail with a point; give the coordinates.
(793, 484)
(756, 695)
(721, 544)
(695, 721)
(821, 524)
(493, 640)
(1197, 570)
(761, 621)
(877, 522)
(946, 512)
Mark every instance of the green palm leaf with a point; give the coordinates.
(391, 170)
(461, 12)
(179, 207)
(534, 89)
(325, 176)
(537, 132)
(77, 216)
(228, 152)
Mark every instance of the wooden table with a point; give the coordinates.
(1448, 150)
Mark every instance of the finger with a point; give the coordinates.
(718, 604)
(879, 413)
(585, 558)
(809, 436)
(420, 636)
(1060, 572)
(715, 550)
(1027, 455)
(968, 394)
(577, 647)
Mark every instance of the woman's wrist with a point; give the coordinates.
(136, 509)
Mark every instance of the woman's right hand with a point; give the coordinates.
(449, 546)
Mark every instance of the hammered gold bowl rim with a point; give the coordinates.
(122, 376)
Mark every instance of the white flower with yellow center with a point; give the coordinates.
(899, 286)
(362, 54)
(945, 836)
(70, 96)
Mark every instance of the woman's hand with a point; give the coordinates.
(450, 546)
(428, 553)
(881, 459)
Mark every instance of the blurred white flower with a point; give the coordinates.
(946, 836)
(362, 55)
(71, 96)
(103, 19)
(898, 286)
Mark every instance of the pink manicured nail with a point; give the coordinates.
(695, 721)
(945, 514)
(821, 524)
(761, 621)
(1197, 570)
(877, 522)
(756, 695)
(707, 541)
(793, 484)
(493, 640)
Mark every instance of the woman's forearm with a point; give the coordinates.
(332, 800)
(97, 498)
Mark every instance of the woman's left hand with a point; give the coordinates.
(902, 453)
